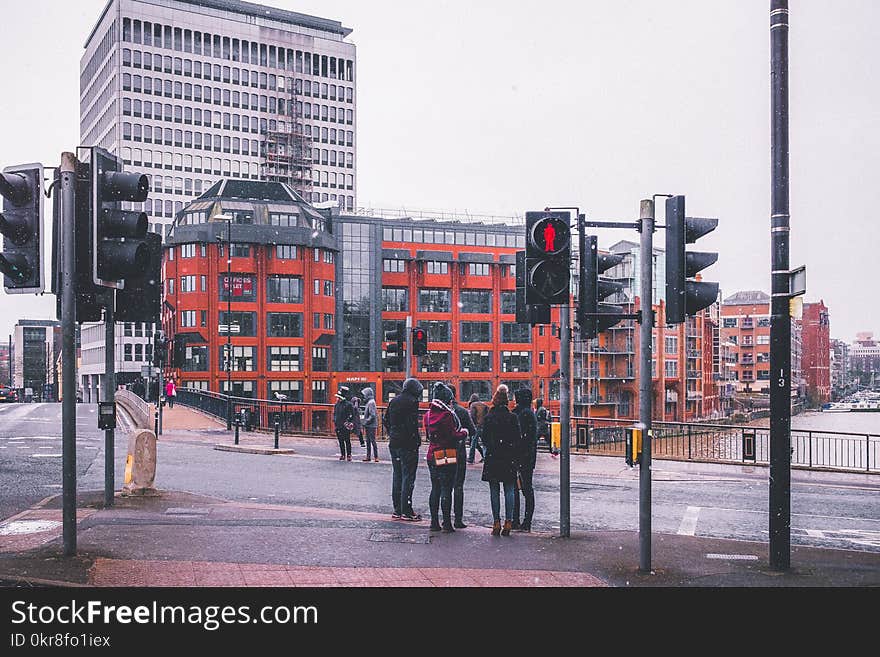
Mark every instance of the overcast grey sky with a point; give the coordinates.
(500, 106)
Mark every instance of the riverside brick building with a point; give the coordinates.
(313, 292)
(816, 366)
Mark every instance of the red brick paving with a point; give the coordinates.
(118, 572)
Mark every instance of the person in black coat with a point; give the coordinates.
(528, 425)
(501, 438)
(343, 421)
(464, 417)
(404, 439)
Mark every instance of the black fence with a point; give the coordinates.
(670, 440)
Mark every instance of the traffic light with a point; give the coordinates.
(119, 248)
(593, 316)
(140, 300)
(548, 258)
(684, 297)
(159, 348)
(21, 224)
(395, 350)
(525, 313)
(419, 342)
(178, 358)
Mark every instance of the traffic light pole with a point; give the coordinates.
(408, 357)
(109, 394)
(68, 352)
(565, 421)
(646, 215)
(780, 320)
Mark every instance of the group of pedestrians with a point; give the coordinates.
(507, 441)
(347, 420)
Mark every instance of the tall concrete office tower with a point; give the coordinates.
(192, 91)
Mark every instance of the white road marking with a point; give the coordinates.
(689, 523)
(44, 455)
(733, 557)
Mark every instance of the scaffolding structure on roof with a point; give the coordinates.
(286, 147)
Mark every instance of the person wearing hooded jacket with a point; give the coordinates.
(404, 440)
(464, 417)
(501, 439)
(343, 420)
(370, 423)
(443, 431)
(527, 458)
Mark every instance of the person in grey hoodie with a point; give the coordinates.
(370, 423)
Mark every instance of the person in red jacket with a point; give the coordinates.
(444, 431)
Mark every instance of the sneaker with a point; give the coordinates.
(412, 517)
(395, 516)
(458, 524)
(515, 524)
(447, 528)
(376, 460)
(435, 527)
(341, 458)
(367, 459)
(348, 458)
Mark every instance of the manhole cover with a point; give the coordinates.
(17, 527)
(391, 537)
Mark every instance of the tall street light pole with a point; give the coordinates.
(228, 360)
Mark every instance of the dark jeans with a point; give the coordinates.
(458, 487)
(403, 479)
(528, 491)
(170, 401)
(476, 444)
(343, 435)
(442, 480)
(495, 501)
(371, 441)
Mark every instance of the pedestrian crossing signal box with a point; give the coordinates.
(106, 415)
(556, 435)
(633, 446)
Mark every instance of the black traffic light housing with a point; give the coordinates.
(683, 296)
(21, 224)
(419, 341)
(594, 317)
(140, 300)
(395, 350)
(160, 350)
(548, 258)
(119, 248)
(525, 313)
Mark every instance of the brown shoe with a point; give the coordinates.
(367, 460)
(507, 526)
(376, 460)
(496, 528)
(348, 458)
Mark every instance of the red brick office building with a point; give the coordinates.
(312, 294)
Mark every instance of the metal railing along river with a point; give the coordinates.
(715, 443)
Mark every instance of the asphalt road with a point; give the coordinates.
(828, 509)
(30, 452)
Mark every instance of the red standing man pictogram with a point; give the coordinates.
(549, 237)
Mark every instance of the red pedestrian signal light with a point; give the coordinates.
(548, 258)
(419, 342)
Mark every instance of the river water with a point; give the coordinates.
(861, 423)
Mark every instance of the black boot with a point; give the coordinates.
(447, 526)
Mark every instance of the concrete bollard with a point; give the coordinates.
(140, 465)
